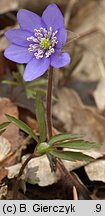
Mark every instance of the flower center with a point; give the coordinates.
(43, 42)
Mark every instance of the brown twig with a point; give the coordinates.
(16, 186)
(88, 33)
(72, 179)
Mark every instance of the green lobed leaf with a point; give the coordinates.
(37, 82)
(10, 82)
(41, 91)
(4, 124)
(71, 156)
(20, 124)
(63, 136)
(19, 79)
(31, 94)
(78, 144)
(40, 115)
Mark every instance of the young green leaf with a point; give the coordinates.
(10, 82)
(4, 124)
(63, 136)
(77, 144)
(31, 93)
(20, 124)
(20, 69)
(41, 91)
(2, 127)
(40, 115)
(37, 82)
(71, 156)
(19, 79)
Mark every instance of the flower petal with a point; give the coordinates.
(53, 17)
(35, 68)
(18, 54)
(61, 37)
(28, 20)
(18, 36)
(60, 61)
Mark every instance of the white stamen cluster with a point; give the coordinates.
(37, 45)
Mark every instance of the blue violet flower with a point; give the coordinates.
(38, 42)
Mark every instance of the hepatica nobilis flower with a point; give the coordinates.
(38, 42)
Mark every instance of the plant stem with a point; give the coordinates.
(16, 186)
(49, 103)
(73, 180)
(53, 162)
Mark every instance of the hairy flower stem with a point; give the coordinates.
(49, 103)
(51, 159)
(73, 181)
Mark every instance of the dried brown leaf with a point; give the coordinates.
(99, 95)
(12, 132)
(80, 119)
(6, 6)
